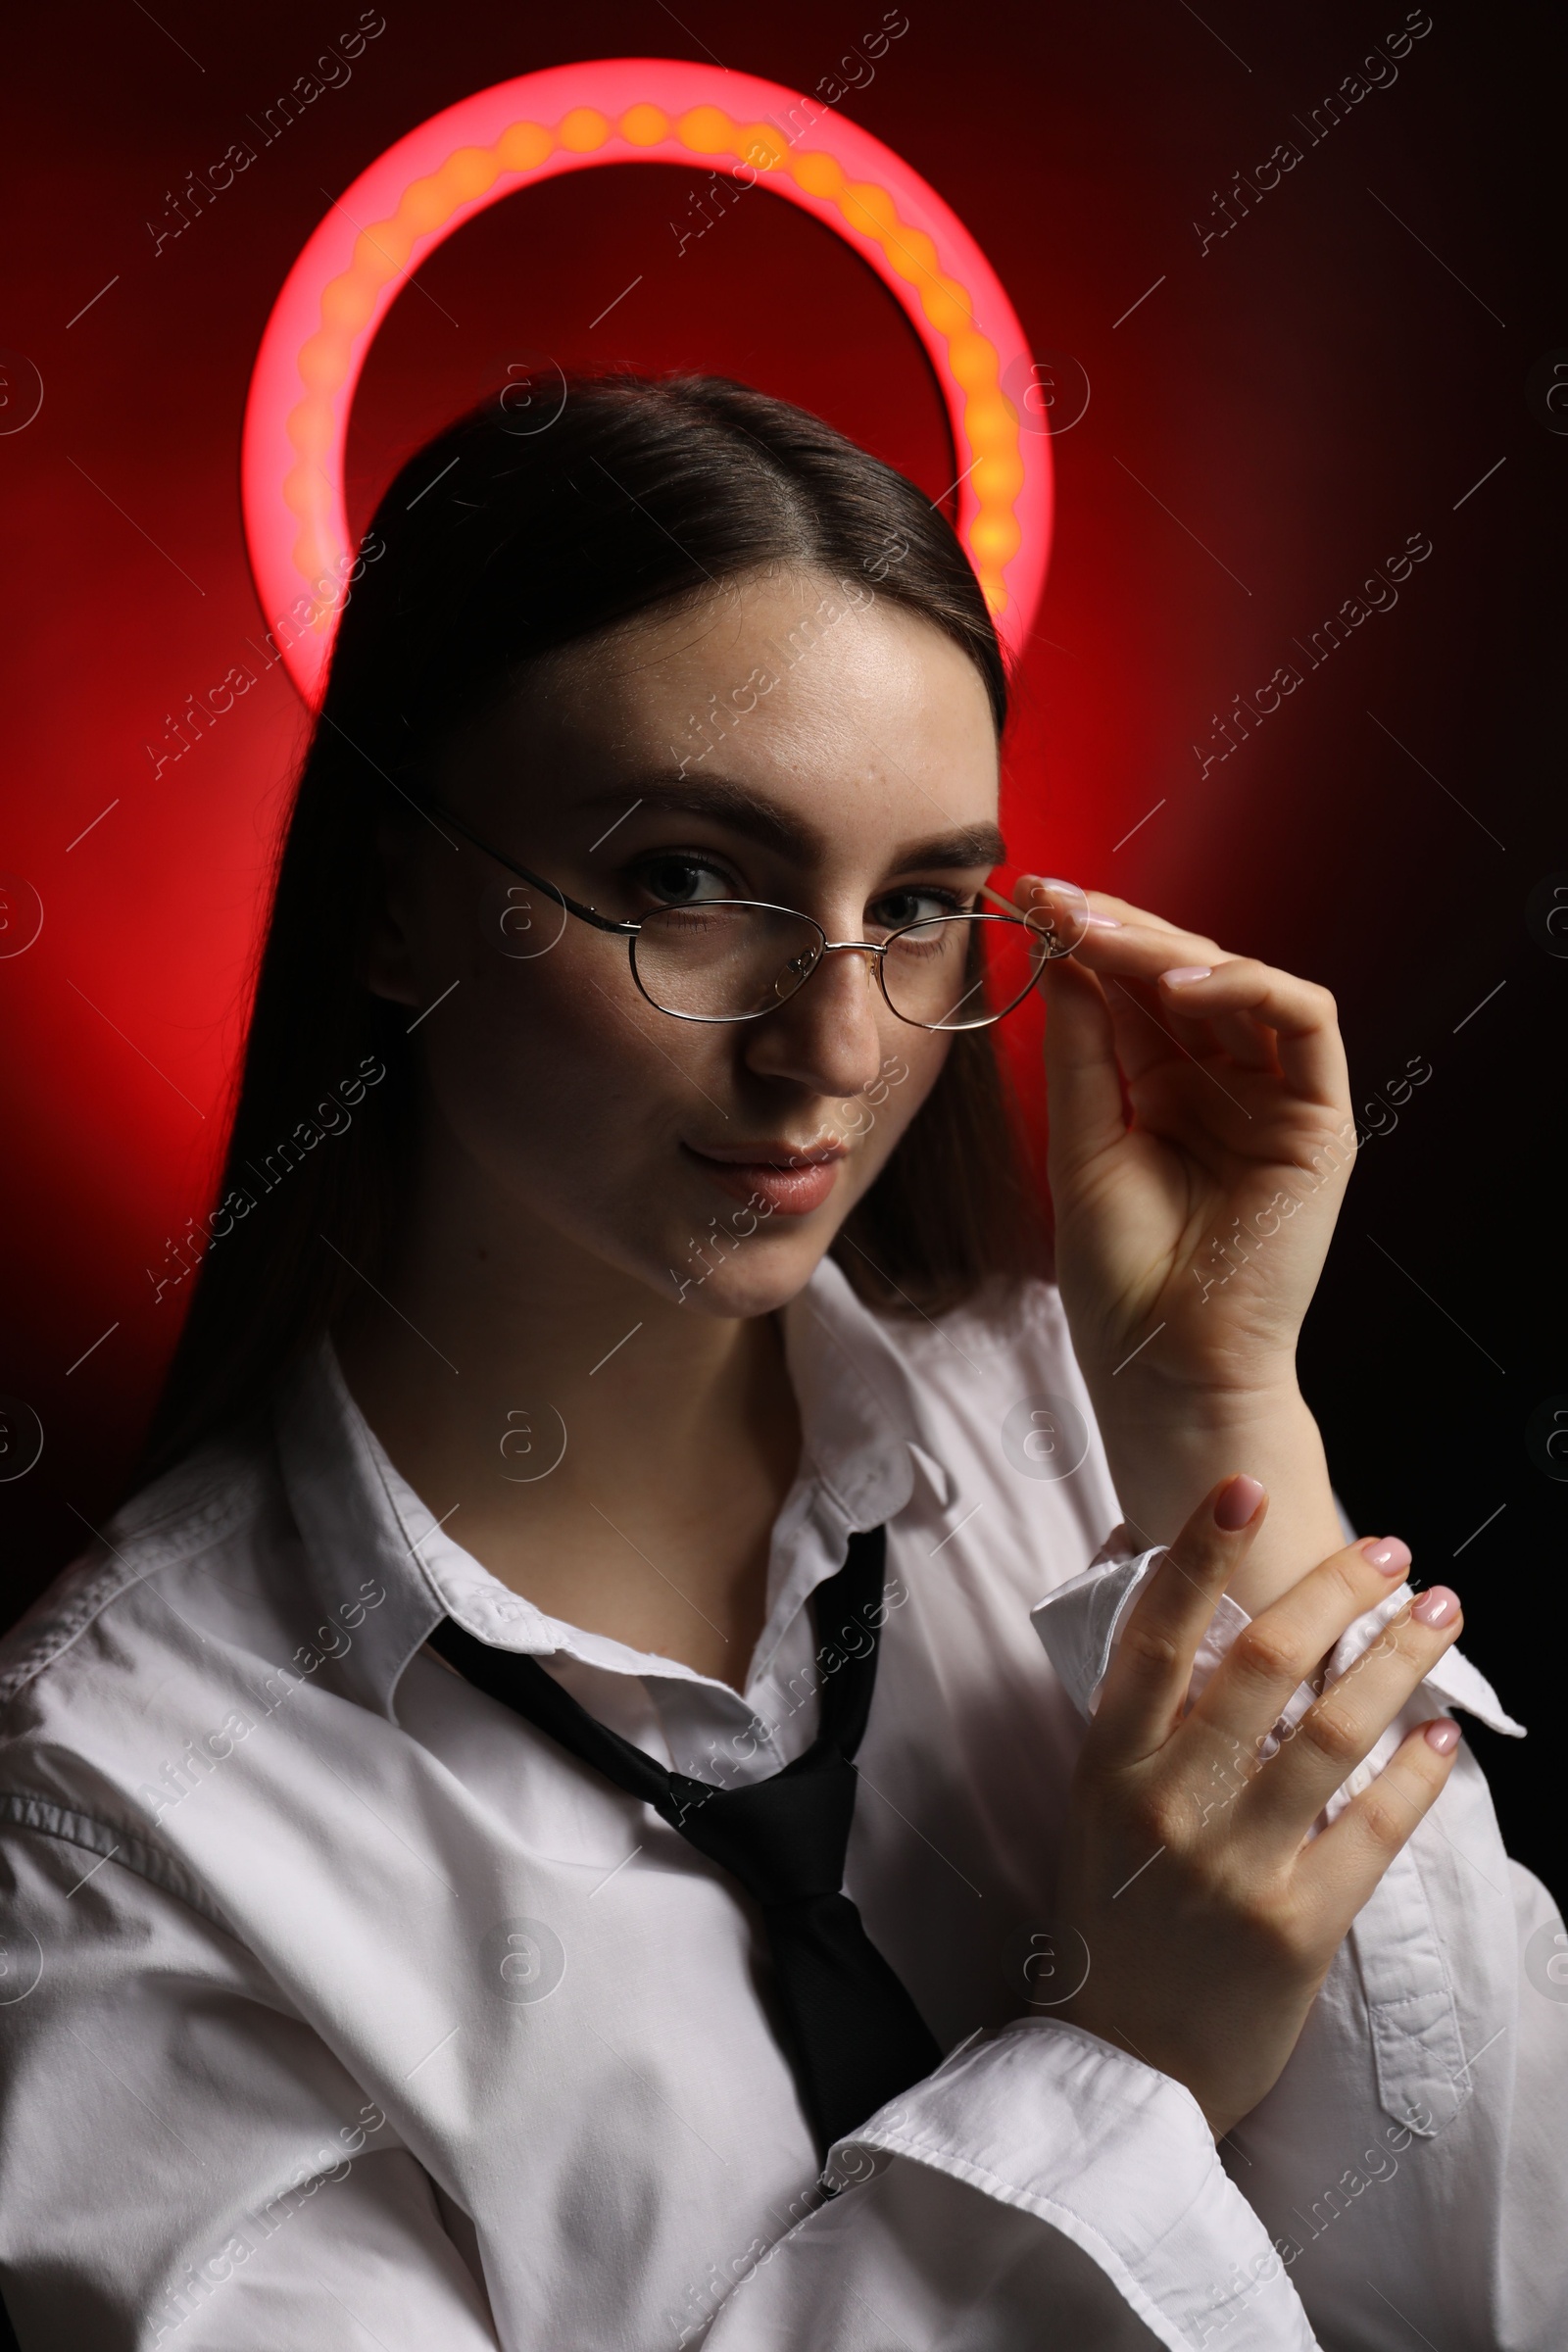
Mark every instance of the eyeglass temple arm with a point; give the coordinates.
(584, 915)
(1012, 907)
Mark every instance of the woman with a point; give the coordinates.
(621, 1388)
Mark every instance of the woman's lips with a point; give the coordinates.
(792, 1182)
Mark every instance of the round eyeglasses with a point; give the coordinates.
(718, 960)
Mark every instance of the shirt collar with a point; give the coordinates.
(862, 1413)
(864, 1432)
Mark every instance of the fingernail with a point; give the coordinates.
(1443, 1735)
(1237, 1503)
(1389, 1555)
(1439, 1606)
(1104, 922)
(1042, 885)
(1183, 973)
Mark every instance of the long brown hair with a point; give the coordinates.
(494, 545)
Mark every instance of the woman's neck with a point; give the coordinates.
(616, 1458)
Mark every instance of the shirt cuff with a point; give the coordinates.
(1052, 2121)
(1081, 1622)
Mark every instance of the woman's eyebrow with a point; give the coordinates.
(970, 845)
(729, 802)
(724, 798)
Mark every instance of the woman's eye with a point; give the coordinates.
(900, 907)
(685, 881)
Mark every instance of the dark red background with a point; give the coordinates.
(1318, 385)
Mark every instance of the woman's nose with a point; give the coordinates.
(830, 1035)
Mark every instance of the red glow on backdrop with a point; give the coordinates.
(1259, 383)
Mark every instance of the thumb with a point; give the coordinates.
(1083, 1077)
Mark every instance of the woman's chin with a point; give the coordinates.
(747, 1278)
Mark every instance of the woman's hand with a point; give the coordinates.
(1206, 1921)
(1201, 1142)
(1208, 1211)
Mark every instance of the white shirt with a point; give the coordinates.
(341, 2007)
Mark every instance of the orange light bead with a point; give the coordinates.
(992, 422)
(998, 480)
(708, 129)
(583, 129)
(297, 490)
(347, 302)
(523, 146)
(902, 249)
(381, 250)
(323, 362)
(870, 207)
(315, 554)
(817, 173)
(973, 361)
(994, 540)
(467, 173)
(424, 205)
(310, 426)
(946, 312)
(644, 125)
(761, 144)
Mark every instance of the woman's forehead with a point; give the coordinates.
(770, 678)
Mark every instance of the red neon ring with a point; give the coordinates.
(567, 119)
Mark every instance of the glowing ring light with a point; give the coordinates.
(615, 111)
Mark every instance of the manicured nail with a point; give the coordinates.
(1443, 1735)
(1389, 1555)
(1237, 1503)
(1185, 973)
(1104, 922)
(1439, 1606)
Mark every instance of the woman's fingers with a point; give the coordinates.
(1341, 1868)
(1113, 910)
(1284, 1646)
(1348, 1721)
(1195, 981)
(1251, 1044)
(1302, 1015)
(1147, 1035)
(1145, 1683)
(1287, 1643)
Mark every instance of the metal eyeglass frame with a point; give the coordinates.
(630, 931)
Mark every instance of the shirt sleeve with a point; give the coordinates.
(267, 2200)
(1409, 2163)
(1040, 2190)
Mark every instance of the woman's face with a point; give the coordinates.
(773, 740)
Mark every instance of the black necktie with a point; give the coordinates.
(852, 2036)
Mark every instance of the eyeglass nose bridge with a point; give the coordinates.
(873, 950)
(853, 947)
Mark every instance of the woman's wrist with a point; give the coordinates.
(1167, 1444)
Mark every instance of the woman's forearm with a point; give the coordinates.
(1167, 1444)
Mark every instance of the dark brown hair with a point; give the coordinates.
(492, 546)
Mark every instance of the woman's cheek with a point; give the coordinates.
(875, 1123)
(532, 1065)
